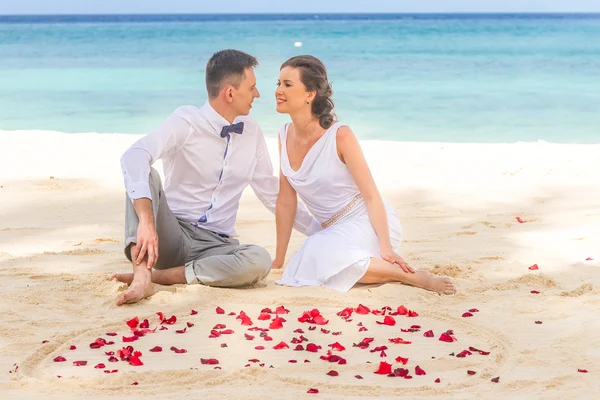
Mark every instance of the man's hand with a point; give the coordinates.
(390, 256)
(147, 243)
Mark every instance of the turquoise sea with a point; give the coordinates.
(410, 77)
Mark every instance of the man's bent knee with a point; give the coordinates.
(257, 264)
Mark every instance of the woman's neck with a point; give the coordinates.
(305, 125)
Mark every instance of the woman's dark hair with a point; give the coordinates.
(314, 76)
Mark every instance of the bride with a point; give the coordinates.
(322, 162)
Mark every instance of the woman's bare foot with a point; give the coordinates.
(439, 284)
(124, 278)
(139, 289)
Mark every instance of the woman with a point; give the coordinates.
(322, 162)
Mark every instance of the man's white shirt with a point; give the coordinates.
(205, 174)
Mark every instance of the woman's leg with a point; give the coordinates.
(381, 271)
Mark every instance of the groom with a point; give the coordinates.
(183, 233)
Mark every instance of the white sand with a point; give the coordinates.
(60, 238)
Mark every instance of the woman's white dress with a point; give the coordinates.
(339, 255)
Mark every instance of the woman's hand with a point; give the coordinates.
(389, 255)
(277, 263)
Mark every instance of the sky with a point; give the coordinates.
(8, 7)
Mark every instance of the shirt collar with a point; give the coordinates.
(215, 119)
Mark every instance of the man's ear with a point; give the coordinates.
(228, 93)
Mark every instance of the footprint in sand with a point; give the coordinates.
(161, 370)
(466, 233)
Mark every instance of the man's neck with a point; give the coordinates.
(223, 110)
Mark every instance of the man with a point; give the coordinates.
(183, 234)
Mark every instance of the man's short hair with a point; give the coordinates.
(227, 67)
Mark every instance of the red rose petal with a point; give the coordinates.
(209, 361)
(111, 334)
(79, 363)
(299, 348)
(156, 349)
(399, 340)
(471, 372)
(346, 312)
(100, 366)
(384, 368)
(337, 346)
(231, 313)
(219, 310)
(129, 339)
(293, 361)
(419, 371)
(538, 322)
(402, 360)
(264, 317)
(106, 371)
(358, 377)
(298, 331)
(362, 309)
(145, 324)
(445, 337)
(194, 312)
(402, 310)
(248, 337)
(534, 267)
(133, 323)
(281, 345)
(589, 259)
(387, 320)
(134, 384)
(259, 348)
(276, 323)
(281, 310)
(583, 371)
(60, 359)
(535, 292)
(333, 373)
(519, 220)
(181, 330)
(313, 391)
(428, 334)
(45, 341)
(267, 338)
(496, 379)
(312, 328)
(73, 347)
(473, 310)
(437, 380)
(467, 314)
(313, 348)
(178, 351)
(189, 324)
(363, 329)
(135, 360)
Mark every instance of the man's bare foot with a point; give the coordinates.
(124, 278)
(139, 289)
(439, 284)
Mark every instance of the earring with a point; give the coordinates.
(307, 102)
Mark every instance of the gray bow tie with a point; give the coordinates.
(237, 128)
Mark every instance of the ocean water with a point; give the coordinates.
(408, 77)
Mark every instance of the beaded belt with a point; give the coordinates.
(343, 212)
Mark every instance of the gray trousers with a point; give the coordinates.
(209, 258)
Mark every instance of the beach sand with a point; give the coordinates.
(61, 232)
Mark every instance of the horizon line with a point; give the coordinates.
(308, 13)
